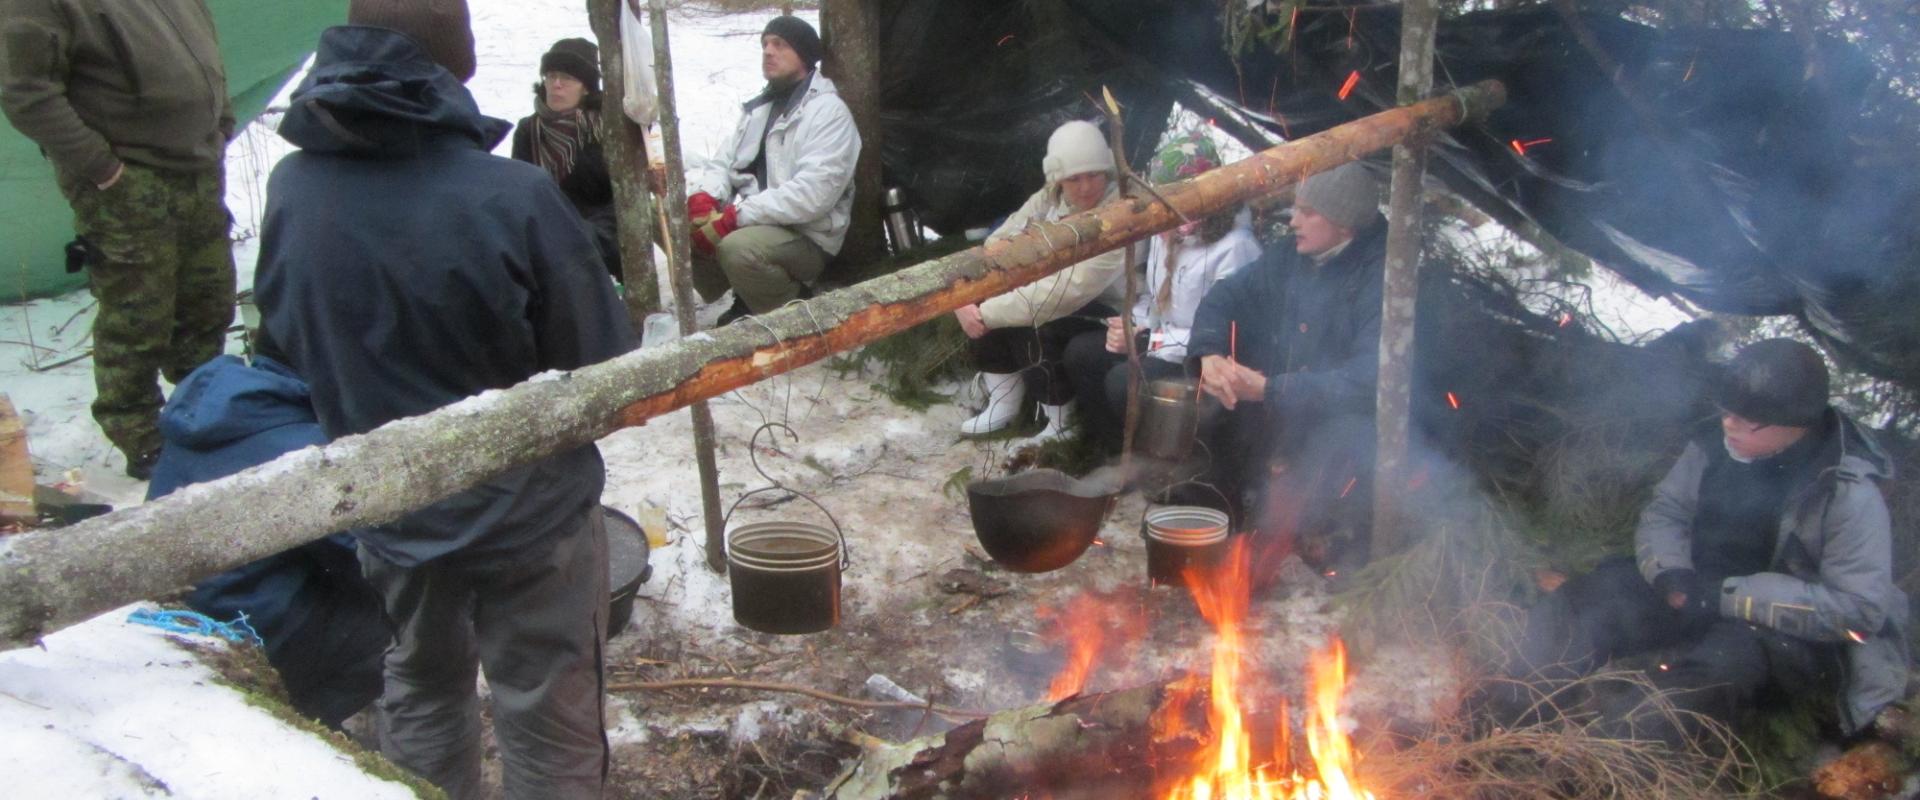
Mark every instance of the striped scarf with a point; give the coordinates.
(558, 138)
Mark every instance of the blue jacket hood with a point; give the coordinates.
(225, 400)
(373, 92)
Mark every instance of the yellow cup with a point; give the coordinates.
(653, 520)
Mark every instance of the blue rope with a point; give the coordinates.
(198, 624)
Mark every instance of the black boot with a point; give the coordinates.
(140, 467)
(737, 310)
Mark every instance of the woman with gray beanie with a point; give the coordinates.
(1019, 339)
(563, 138)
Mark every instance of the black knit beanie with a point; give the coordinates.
(442, 28)
(576, 57)
(1776, 382)
(804, 40)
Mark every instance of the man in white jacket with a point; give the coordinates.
(770, 210)
(1025, 331)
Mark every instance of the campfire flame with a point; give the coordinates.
(1226, 769)
(1087, 627)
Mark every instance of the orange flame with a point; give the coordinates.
(1453, 401)
(1091, 625)
(1225, 768)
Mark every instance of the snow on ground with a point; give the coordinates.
(112, 710)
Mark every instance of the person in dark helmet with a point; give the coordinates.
(770, 206)
(562, 136)
(1763, 562)
(403, 268)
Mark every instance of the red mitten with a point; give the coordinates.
(707, 237)
(701, 205)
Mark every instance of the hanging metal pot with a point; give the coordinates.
(785, 576)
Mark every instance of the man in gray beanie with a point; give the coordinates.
(403, 267)
(772, 205)
(1764, 560)
(1290, 345)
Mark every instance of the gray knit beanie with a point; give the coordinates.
(1076, 148)
(441, 27)
(1347, 195)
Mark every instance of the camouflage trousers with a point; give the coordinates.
(161, 268)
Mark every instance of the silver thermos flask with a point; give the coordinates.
(903, 232)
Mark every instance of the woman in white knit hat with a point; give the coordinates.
(1017, 339)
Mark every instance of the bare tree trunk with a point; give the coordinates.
(851, 30)
(627, 160)
(50, 579)
(1401, 287)
(679, 255)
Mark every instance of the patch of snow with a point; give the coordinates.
(112, 709)
(964, 680)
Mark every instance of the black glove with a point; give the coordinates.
(1702, 593)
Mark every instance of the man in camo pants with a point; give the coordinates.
(129, 101)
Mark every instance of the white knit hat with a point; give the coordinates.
(1076, 148)
(1347, 195)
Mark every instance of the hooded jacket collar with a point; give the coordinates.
(373, 93)
(226, 400)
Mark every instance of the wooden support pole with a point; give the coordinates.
(679, 257)
(1123, 172)
(51, 579)
(626, 148)
(1393, 403)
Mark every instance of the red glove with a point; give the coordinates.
(700, 206)
(707, 237)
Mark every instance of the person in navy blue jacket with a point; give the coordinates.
(1290, 346)
(403, 268)
(319, 619)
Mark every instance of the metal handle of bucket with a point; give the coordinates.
(1204, 485)
(753, 457)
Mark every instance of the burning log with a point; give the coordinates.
(49, 580)
(1089, 746)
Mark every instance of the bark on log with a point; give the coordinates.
(50, 579)
(679, 259)
(1091, 746)
(627, 161)
(851, 31)
(1401, 285)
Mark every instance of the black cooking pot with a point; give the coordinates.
(1039, 520)
(627, 567)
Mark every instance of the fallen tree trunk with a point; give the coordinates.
(50, 579)
(1089, 746)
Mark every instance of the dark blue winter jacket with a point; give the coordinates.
(404, 268)
(1312, 329)
(320, 620)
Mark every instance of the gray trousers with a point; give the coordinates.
(537, 626)
(765, 265)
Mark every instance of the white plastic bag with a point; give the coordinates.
(636, 39)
